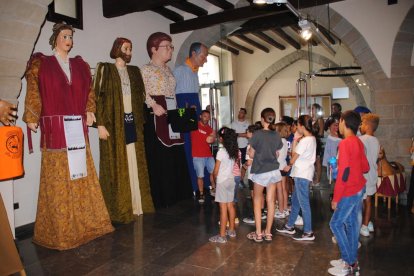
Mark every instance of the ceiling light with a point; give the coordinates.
(278, 2)
(306, 32)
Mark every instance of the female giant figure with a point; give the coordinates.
(167, 165)
(69, 212)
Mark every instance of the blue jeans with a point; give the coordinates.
(345, 224)
(300, 201)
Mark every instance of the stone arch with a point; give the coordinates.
(285, 62)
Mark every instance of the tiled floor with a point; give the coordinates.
(174, 241)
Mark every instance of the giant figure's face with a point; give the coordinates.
(64, 41)
(126, 52)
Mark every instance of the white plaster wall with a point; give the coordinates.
(377, 22)
(93, 43)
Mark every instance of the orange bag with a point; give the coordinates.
(11, 152)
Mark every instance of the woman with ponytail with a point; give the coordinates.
(264, 149)
(302, 163)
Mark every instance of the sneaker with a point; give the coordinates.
(364, 231)
(287, 230)
(280, 215)
(371, 226)
(249, 220)
(339, 262)
(286, 212)
(231, 233)
(213, 192)
(264, 215)
(218, 239)
(299, 221)
(305, 237)
(201, 199)
(344, 270)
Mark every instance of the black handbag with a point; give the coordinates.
(183, 119)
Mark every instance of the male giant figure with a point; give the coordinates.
(187, 94)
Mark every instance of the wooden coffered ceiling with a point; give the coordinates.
(264, 27)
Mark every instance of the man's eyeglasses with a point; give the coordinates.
(168, 47)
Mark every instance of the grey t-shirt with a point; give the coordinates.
(265, 143)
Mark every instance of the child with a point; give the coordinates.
(302, 163)
(332, 142)
(349, 189)
(247, 166)
(223, 174)
(368, 127)
(265, 144)
(282, 193)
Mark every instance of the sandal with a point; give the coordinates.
(268, 237)
(254, 236)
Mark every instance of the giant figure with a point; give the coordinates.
(70, 212)
(187, 93)
(123, 172)
(164, 149)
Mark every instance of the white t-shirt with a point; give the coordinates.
(304, 165)
(226, 166)
(241, 127)
(372, 148)
(282, 155)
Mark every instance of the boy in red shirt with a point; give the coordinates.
(349, 190)
(201, 152)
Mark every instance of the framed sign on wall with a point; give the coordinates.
(288, 105)
(69, 11)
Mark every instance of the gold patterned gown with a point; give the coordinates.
(69, 212)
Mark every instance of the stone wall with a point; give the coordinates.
(392, 98)
(20, 23)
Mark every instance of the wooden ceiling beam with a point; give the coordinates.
(222, 17)
(287, 38)
(269, 40)
(190, 8)
(114, 8)
(225, 5)
(326, 34)
(252, 42)
(167, 13)
(238, 46)
(227, 47)
(243, 13)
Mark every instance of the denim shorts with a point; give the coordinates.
(203, 162)
(264, 179)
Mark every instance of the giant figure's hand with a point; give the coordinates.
(158, 109)
(32, 126)
(7, 112)
(103, 133)
(90, 118)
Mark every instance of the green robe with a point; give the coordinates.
(113, 166)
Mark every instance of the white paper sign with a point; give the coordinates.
(76, 147)
(171, 104)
